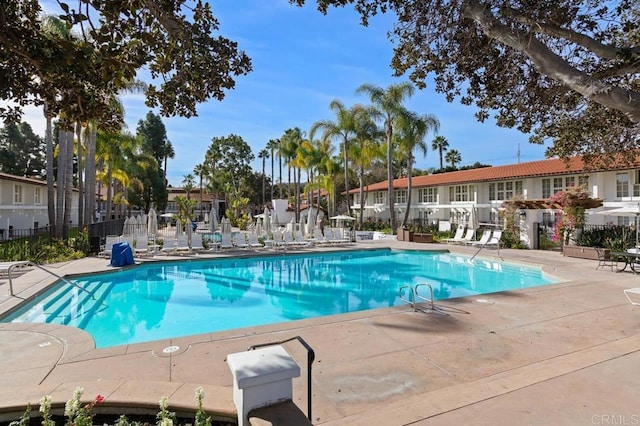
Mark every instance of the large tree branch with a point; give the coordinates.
(552, 65)
(593, 45)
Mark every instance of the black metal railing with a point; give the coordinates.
(311, 356)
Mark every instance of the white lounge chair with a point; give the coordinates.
(468, 237)
(635, 291)
(252, 240)
(457, 237)
(8, 268)
(110, 240)
(495, 239)
(196, 242)
(484, 239)
(241, 241)
(142, 246)
(226, 241)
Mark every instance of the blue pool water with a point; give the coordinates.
(171, 299)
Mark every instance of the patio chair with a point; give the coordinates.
(457, 237)
(494, 241)
(604, 259)
(635, 291)
(241, 241)
(196, 242)
(468, 237)
(484, 239)
(226, 241)
(110, 240)
(252, 240)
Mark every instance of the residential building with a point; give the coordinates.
(23, 205)
(448, 198)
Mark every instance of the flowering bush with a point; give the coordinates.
(573, 204)
(77, 413)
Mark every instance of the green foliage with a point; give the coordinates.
(511, 240)
(617, 238)
(546, 243)
(531, 65)
(22, 152)
(175, 41)
(185, 209)
(45, 249)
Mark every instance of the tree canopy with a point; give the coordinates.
(104, 46)
(563, 70)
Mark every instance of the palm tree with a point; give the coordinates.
(387, 104)
(272, 146)
(453, 157)
(168, 153)
(188, 184)
(264, 154)
(200, 170)
(440, 144)
(412, 129)
(343, 129)
(364, 149)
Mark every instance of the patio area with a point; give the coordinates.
(567, 353)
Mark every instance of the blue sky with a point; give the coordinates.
(302, 60)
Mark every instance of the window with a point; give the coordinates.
(400, 196)
(622, 185)
(504, 190)
(428, 195)
(37, 196)
(17, 194)
(562, 184)
(546, 188)
(461, 193)
(379, 197)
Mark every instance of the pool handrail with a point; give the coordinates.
(311, 356)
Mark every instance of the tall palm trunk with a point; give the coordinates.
(272, 176)
(90, 174)
(81, 189)
(51, 204)
(68, 185)
(410, 161)
(280, 178)
(361, 181)
(109, 190)
(62, 164)
(392, 215)
(346, 175)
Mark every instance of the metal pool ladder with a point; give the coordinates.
(415, 297)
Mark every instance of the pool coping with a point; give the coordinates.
(458, 395)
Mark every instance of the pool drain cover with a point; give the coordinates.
(170, 349)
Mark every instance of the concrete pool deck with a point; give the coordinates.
(567, 353)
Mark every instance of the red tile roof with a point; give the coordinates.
(539, 168)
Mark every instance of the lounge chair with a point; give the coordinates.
(196, 242)
(300, 240)
(8, 268)
(253, 240)
(484, 239)
(457, 237)
(468, 237)
(142, 246)
(241, 241)
(495, 239)
(110, 240)
(635, 291)
(226, 241)
(170, 246)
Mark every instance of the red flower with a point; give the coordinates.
(99, 399)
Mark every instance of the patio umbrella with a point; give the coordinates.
(213, 221)
(311, 222)
(206, 217)
(629, 211)
(473, 218)
(127, 229)
(152, 222)
(189, 231)
(178, 229)
(267, 221)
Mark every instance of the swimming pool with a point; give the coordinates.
(159, 300)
